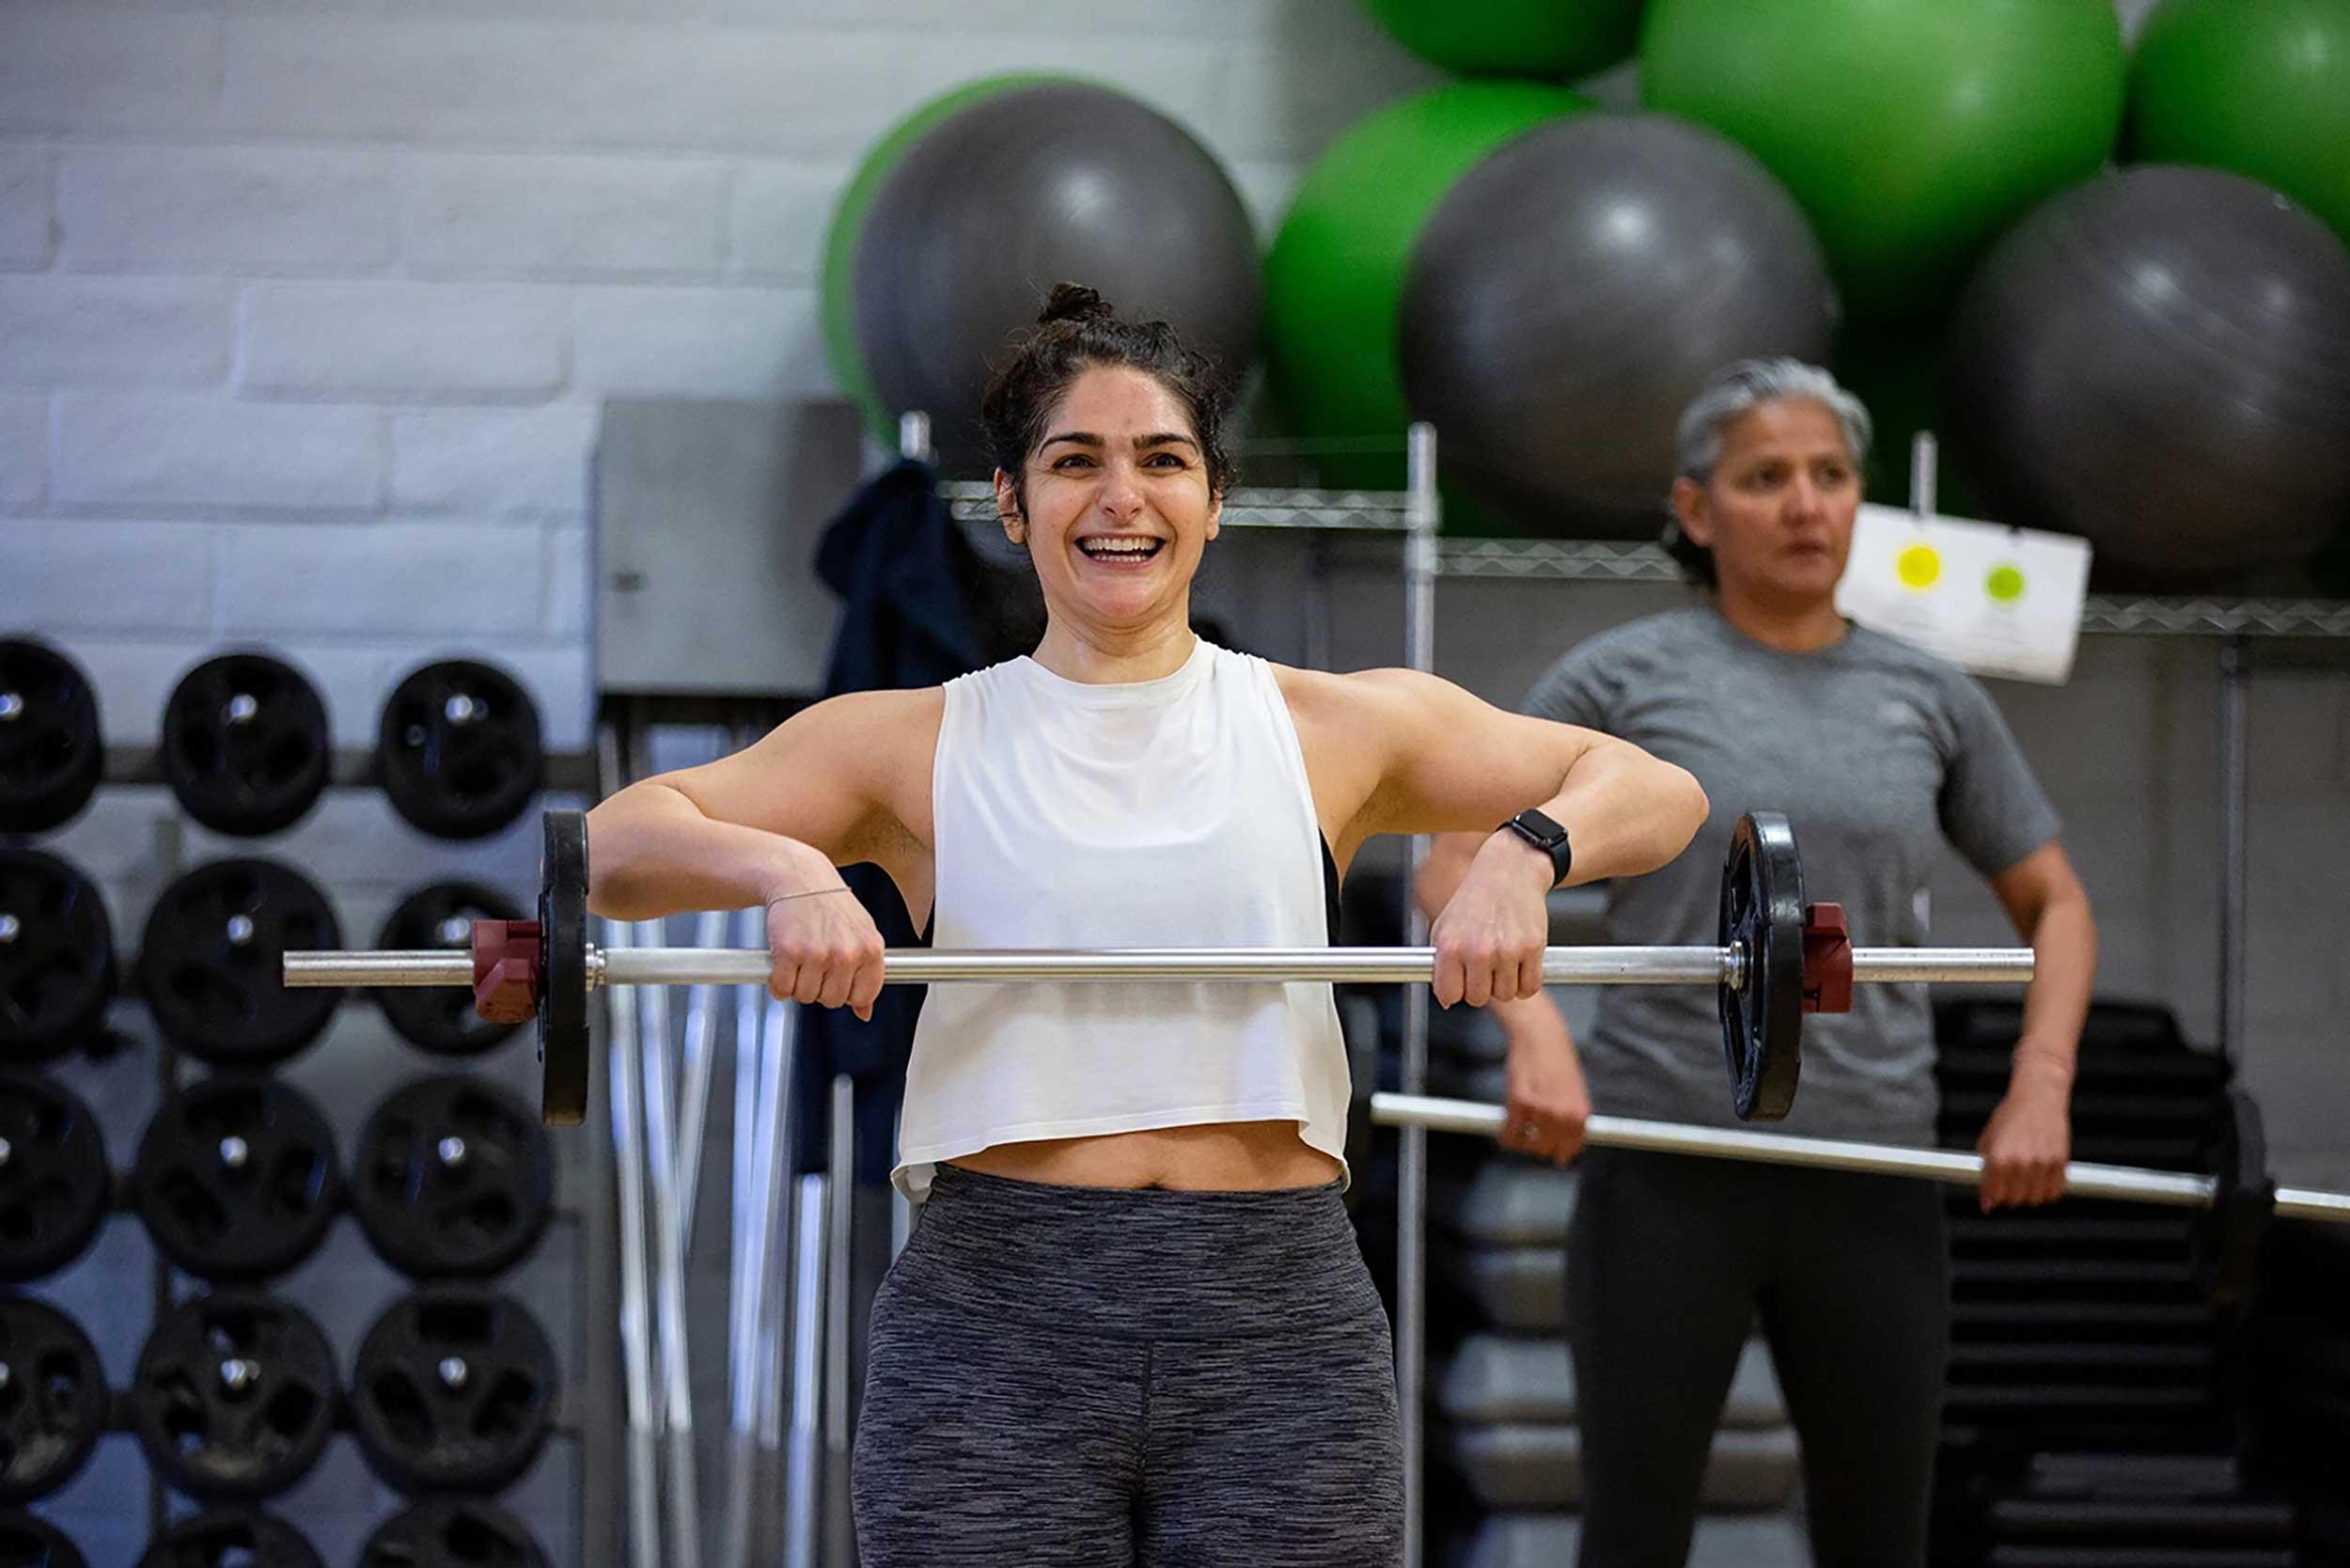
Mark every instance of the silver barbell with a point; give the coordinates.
(1596, 966)
(2129, 1184)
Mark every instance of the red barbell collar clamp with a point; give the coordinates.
(505, 977)
(1826, 960)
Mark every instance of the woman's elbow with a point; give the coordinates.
(1693, 808)
(619, 887)
(1690, 810)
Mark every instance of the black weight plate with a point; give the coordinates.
(231, 1538)
(26, 1542)
(452, 1176)
(53, 1399)
(235, 1396)
(57, 955)
(453, 1391)
(563, 968)
(439, 1018)
(55, 1185)
(1762, 911)
(245, 744)
(211, 963)
(452, 1533)
(459, 752)
(50, 750)
(237, 1178)
(2228, 1233)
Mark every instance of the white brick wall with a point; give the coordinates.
(23, 449)
(746, 342)
(112, 332)
(779, 217)
(505, 344)
(125, 577)
(426, 579)
(493, 463)
(65, 68)
(151, 451)
(24, 182)
(552, 216)
(264, 209)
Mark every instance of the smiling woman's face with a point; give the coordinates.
(1118, 504)
(1777, 512)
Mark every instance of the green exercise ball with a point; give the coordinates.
(1911, 132)
(1555, 39)
(1900, 369)
(1334, 281)
(2258, 88)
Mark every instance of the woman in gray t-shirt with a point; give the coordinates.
(1881, 754)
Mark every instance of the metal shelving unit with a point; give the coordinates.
(1584, 560)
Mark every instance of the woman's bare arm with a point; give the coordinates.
(834, 785)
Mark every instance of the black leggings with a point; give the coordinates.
(1078, 1375)
(1669, 1262)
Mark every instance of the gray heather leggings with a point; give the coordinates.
(1074, 1375)
(1670, 1263)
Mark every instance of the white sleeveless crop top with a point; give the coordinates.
(1166, 813)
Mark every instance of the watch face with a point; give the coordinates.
(1542, 829)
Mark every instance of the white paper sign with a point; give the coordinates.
(1994, 599)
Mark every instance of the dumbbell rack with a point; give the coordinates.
(351, 769)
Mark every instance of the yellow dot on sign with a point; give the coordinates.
(2005, 584)
(1921, 566)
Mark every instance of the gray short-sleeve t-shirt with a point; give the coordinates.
(1879, 753)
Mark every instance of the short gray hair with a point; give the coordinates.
(1735, 391)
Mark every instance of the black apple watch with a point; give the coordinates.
(1546, 836)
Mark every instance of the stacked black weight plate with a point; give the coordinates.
(459, 751)
(231, 1538)
(55, 1186)
(450, 1532)
(211, 963)
(452, 1177)
(453, 1391)
(237, 1178)
(2086, 1406)
(2297, 1356)
(245, 744)
(37, 1544)
(50, 754)
(56, 956)
(235, 1396)
(2082, 1325)
(52, 1400)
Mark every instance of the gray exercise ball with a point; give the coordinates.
(1025, 189)
(2159, 360)
(1576, 289)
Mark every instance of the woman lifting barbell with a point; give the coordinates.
(1767, 694)
(1133, 1325)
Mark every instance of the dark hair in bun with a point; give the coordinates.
(1077, 330)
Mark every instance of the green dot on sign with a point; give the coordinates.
(2005, 584)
